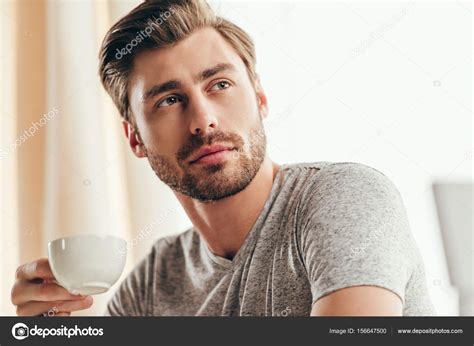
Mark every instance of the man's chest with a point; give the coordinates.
(271, 286)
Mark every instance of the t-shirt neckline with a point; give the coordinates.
(254, 232)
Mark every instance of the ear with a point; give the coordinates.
(261, 98)
(134, 140)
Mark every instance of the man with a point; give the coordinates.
(305, 239)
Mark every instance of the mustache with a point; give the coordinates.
(217, 136)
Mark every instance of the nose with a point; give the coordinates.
(202, 115)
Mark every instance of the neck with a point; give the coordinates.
(224, 224)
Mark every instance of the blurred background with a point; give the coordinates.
(386, 84)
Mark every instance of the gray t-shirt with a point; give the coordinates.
(324, 226)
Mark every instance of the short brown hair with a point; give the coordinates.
(155, 24)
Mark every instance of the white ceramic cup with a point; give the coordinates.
(87, 264)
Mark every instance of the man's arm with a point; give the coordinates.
(359, 301)
(355, 242)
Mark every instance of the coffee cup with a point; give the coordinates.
(87, 264)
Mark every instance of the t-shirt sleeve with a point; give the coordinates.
(354, 231)
(132, 296)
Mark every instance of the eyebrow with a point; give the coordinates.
(176, 84)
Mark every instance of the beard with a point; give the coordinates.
(212, 182)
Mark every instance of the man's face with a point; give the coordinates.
(193, 98)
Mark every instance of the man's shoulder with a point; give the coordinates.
(353, 198)
(331, 167)
(343, 175)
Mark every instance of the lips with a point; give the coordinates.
(208, 150)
